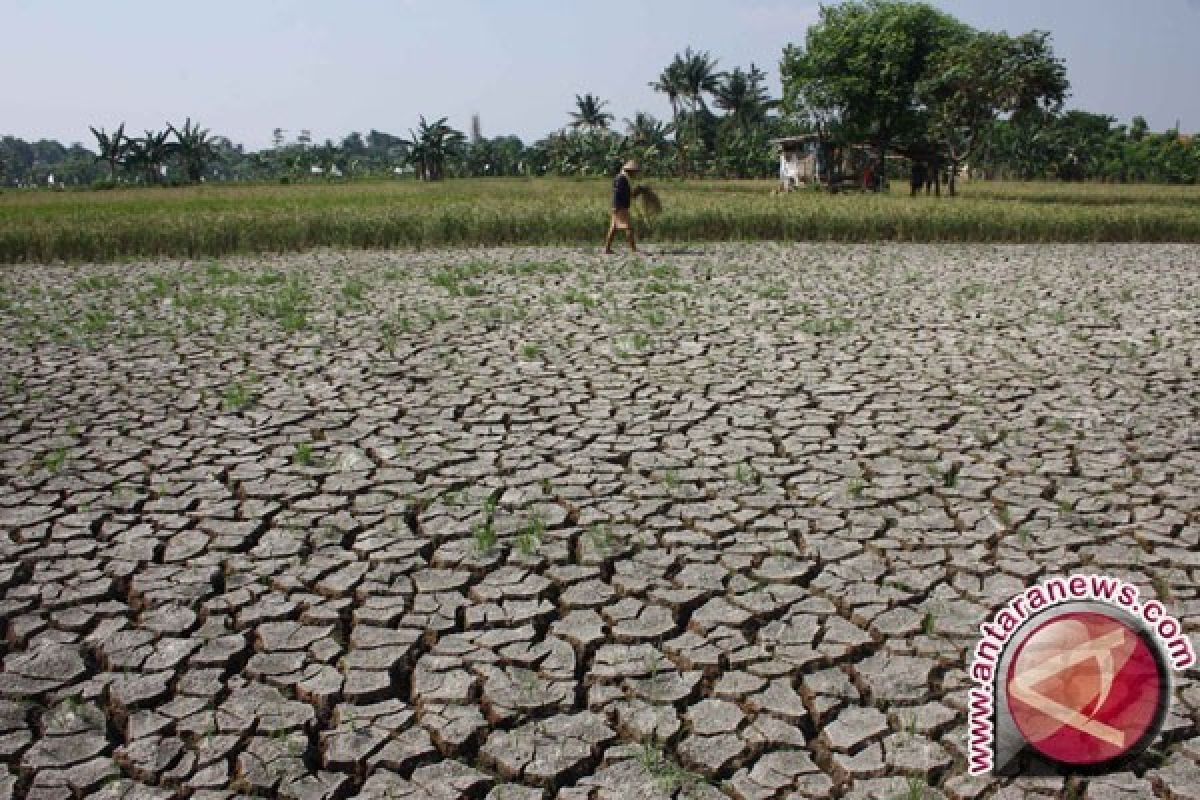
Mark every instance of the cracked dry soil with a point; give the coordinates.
(534, 523)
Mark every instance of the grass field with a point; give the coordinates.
(207, 221)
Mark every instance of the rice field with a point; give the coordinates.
(42, 226)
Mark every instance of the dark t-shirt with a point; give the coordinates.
(621, 191)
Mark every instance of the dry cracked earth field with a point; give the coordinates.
(532, 523)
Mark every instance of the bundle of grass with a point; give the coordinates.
(651, 205)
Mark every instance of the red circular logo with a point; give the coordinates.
(1085, 688)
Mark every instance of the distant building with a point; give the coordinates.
(806, 161)
(799, 161)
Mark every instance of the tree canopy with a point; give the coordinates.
(907, 76)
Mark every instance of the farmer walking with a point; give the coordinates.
(623, 194)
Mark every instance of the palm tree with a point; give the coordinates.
(430, 145)
(743, 96)
(685, 81)
(150, 153)
(670, 83)
(590, 114)
(196, 149)
(698, 75)
(112, 148)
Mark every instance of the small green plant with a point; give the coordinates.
(654, 317)
(530, 537)
(54, 460)
(304, 455)
(96, 320)
(238, 396)
(573, 295)
(917, 785)
(929, 623)
(288, 305)
(484, 533)
(746, 475)
(354, 292)
(222, 276)
(160, 287)
(669, 776)
(98, 283)
(531, 352)
(601, 538)
(856, 488)
(484, 536)
(671, 479)
(390, 329)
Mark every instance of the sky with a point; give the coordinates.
(242, 69)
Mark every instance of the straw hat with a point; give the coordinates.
(631, 166)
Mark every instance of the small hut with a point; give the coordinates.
(806, 161)
(799, 163)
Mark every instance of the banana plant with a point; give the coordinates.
(150, 153)
(431, 144)
(113, 148)
(195, 147)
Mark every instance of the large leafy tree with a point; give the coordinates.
(589, 113)
(195, 147)
(860, 67)
(113, 148)
(985, 75)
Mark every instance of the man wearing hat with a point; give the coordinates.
(623, 195)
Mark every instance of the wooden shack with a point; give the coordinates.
(799, 161)
(806, 161)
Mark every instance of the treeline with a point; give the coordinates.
(894, 78)
(1079, 146)
(721, 126)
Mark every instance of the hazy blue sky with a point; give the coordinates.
(244, 68)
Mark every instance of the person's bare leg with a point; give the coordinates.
(612, 229)
(632, 241)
